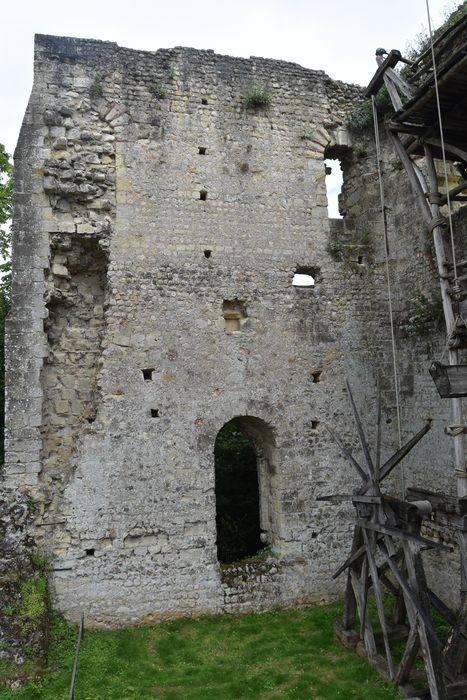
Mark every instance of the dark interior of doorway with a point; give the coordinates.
(237, 496)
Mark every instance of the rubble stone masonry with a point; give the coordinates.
(159, 222)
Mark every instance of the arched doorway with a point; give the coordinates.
(243, 470)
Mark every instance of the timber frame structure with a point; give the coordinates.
(386, 554)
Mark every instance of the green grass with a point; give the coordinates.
(291, 654)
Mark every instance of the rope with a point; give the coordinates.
(388, 280)
(443, 151)
(437, 221)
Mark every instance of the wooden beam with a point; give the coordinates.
(347, 454)
(391, 60)
(408, 657)
(362, 436)
(370, 542)
(401, 535)
(393, 461)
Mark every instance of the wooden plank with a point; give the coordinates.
(401, 534)
(360, 587)
(350, 605)
(410, 596)
(340, 498)
(370, 545)
(454, 651)
(347, 454)
(350, 602)
(376, 82)
(388, 466)
(446, 612)
(450, 380)
(413, 179)
(429, 640)
(362, 436)
(349, 561)
(408, 657)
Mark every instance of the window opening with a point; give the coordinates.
(303, 280)
(237, 496)
(360, 259)
(147, 373)
(204, 101)
(305, 277)
(207, 253)
(203, 195)
(154, 413)
(90, 552)
(314, 424)
(316, 375)
(235, 315)
(334, 180)
(202, 150)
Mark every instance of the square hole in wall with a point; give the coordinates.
(147, 373)
(90, 552)
(235, 315)
(154, 413)
(204, 101)
(207, 253)
(203, 195)
(316, 375)
(202, 150)
(314, 424)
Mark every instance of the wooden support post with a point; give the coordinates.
(442, 256)
(370, 543)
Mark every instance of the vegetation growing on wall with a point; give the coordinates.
(424, 316)
(6, 188)
(258, 97)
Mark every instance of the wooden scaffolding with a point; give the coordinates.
(429, 122)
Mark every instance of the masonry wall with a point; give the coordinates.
(149, 199)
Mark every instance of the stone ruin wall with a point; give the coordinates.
(122, 266)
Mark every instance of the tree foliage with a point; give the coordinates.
(6, 190)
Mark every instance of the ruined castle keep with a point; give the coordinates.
(160, 218)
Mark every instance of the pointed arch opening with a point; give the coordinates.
(245, 471)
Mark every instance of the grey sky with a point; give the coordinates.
(337, 36)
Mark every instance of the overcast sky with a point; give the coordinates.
(337, 36)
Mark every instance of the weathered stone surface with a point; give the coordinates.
(160, 215)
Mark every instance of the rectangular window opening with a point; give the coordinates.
(235, 314)
(314, 424)
(90, 552)
(202, 150)
(203, 195)
(204, 101)
(154, 413)
(147, 373)
(316, 375)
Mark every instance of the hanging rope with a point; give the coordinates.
(443, 151)
(388, 280)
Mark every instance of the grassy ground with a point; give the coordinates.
(291, 654)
